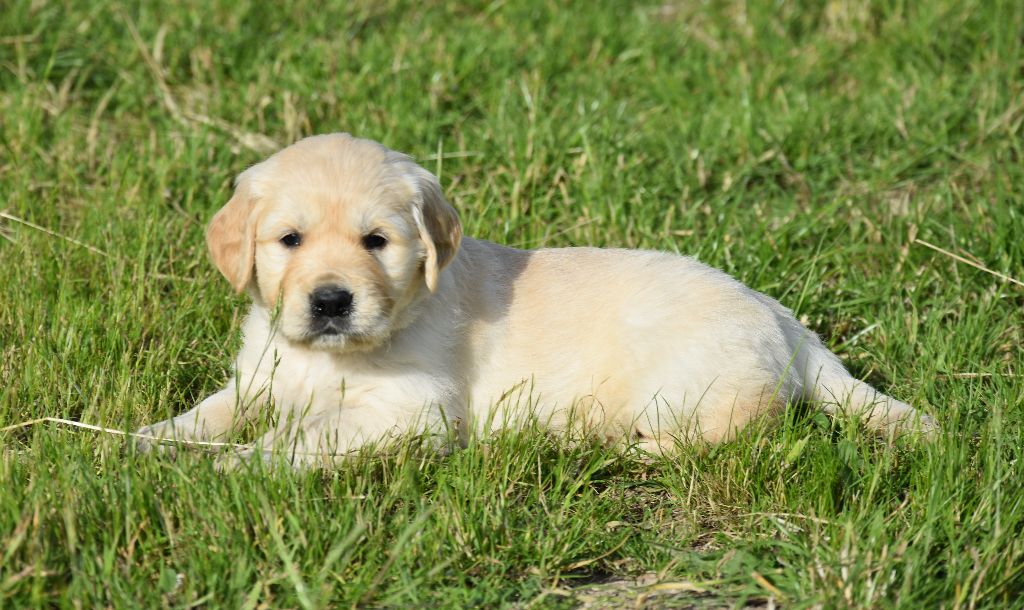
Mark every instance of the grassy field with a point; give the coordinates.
(805, 147)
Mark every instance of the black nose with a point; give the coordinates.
(331, 302)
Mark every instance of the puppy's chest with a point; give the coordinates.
(320, 383)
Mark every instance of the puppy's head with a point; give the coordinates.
(344, 234)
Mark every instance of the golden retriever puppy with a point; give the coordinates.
(372, 316)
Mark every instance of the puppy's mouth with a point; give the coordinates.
(329, 327)
(331, 332)
(337, 336)
(347, 333)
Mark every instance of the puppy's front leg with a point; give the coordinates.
(325, 439)
(211, 419)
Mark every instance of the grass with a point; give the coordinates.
(801, 146)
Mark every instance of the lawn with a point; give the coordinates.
(812, 149)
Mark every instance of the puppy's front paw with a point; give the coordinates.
(922, 424)
(157, 438)
(241, 458)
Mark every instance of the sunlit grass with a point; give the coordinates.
(802, 147)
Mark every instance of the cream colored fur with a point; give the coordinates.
(634, 346)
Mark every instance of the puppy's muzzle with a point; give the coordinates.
(330, 308)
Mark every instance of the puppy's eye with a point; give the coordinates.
(374, 241)
(292, 240)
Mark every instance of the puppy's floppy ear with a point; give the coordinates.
(231, 236)
(438, 224)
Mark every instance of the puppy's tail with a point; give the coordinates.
(827, 382)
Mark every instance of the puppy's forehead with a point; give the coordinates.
(323, 179)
